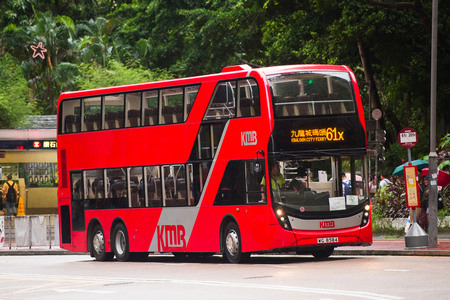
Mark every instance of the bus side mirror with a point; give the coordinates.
(257, 166)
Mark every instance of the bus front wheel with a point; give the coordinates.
(232, 245)
(324, 253)
(98, 245)
(120, 245)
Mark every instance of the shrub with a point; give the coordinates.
(390, 201)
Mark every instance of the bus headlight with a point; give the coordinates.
(282, 218)
(366, 214)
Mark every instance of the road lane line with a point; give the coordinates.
(356, 294)
(83, 291)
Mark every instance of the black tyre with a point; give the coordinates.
(324, 253)
(138, 256)
(98, 245)
(232, 245)
(119, 242)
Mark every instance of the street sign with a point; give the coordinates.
(377, 114)
(407, 137)
(411, 186)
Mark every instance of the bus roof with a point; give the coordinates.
(196, 79)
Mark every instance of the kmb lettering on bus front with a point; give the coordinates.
(327, 224)
(248, 138)
(171, 236)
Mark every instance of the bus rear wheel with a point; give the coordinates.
(324, 253)
(98, 245)
(232, 245)
(120, 245)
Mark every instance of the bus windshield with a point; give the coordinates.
(312, 93)
(326, 185)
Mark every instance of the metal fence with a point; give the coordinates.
(28, 231)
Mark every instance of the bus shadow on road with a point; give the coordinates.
(254, 259)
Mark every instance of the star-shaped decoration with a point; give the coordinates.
(39, 50)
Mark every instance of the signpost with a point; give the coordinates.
(416, 236)
(407, 137)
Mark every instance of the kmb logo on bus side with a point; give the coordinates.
(170, 236)
(327, 224)
(248, 138)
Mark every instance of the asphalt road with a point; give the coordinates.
(264, 277)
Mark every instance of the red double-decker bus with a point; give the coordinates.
(245, 161)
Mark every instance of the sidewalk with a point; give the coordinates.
(36, 250)
(395, 247)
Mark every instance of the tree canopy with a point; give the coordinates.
(386, 42)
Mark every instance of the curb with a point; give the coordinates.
(422, 252)
(13, 252)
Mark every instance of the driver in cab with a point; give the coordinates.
(277, 181)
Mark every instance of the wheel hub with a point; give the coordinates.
(99, 242)
(232, 242)
(120, 242)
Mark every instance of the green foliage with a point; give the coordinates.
(444, 153)
(96, 44)
(93, 76)
(14, 104)
(44, 75)
(390, 201)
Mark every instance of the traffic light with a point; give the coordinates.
(380, 158)
(380, 135)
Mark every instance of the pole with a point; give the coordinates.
(376, 157)
(432, 202)
(408, 151)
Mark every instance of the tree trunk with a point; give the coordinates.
(374, 95)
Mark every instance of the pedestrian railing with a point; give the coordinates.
(28, 231)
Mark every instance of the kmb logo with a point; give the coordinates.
(170, 236)
(248, 138)
(327, 224)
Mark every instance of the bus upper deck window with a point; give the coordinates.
(223, 103)
(312, 93)
(248, 99)
(114, 111)
(71, 116)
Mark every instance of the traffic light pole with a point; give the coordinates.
(376, 114)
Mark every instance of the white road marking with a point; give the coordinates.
(83, 291)
(297, 289)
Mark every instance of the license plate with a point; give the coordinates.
(327, 240)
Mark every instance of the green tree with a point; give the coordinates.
(14, 105)
(386, 43)
(45, 76)
(96, 43)
(194, 37)
(93, 76)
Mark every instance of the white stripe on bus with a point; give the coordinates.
(184, 216)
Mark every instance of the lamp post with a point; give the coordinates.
(432, 203)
